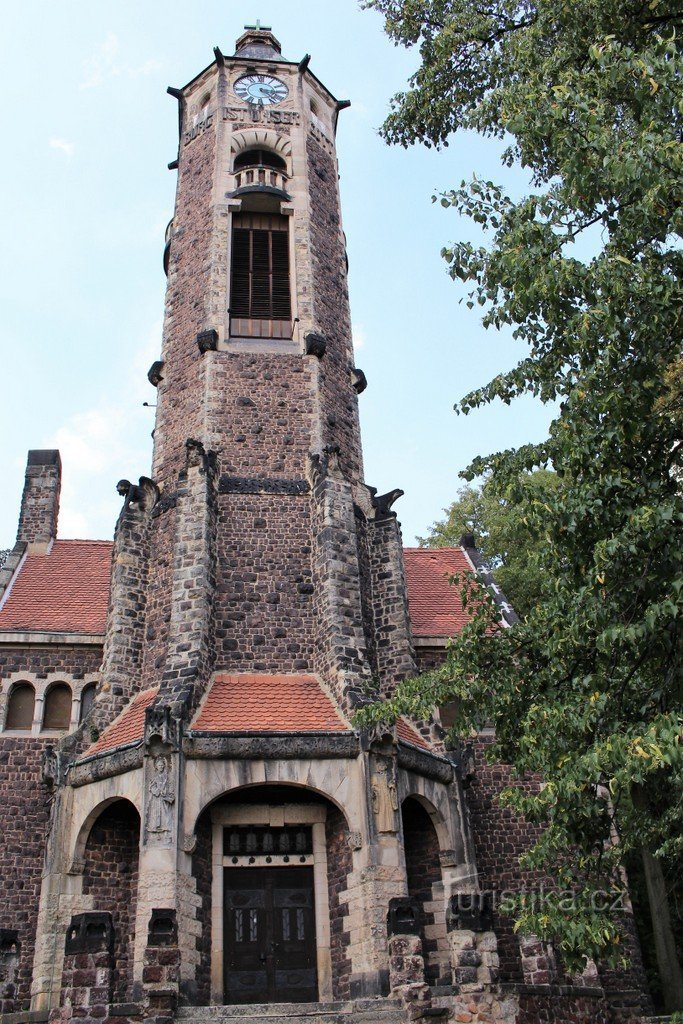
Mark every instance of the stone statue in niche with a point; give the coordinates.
(384, 797)
(160, 801)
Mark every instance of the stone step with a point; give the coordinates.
(360, 1011)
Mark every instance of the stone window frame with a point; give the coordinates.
(275, 816)
(41, 686)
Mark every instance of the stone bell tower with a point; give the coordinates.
(257, 600)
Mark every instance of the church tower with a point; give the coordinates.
(257, 601)
(194, 825)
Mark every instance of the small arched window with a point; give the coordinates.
(57, 713)
(259, 158)
(22, 701)
(87, 700)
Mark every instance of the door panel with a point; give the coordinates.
(269, 935)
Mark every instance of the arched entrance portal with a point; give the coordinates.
(271, 863)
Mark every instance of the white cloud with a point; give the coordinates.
(359, 337)
(105, 63)
(63, 145)
(104, 443)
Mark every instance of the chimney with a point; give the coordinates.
(468, 541)
(40, 500)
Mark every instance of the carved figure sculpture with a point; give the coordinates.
(161, 800)
(384, 798)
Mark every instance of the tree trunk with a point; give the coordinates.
(669, 968)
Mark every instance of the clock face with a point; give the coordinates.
(261, 89)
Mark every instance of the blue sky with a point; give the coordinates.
(85, 196)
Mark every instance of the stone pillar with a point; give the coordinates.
(189, 656)
(125, 633)
(161, 970)
(342, 655)
(474, 960)
(87, 973)
(393, 640)
(40, 500)
(538, 961)
(407, 974)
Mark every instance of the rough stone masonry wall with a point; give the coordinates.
(339, 866)
(24, 813)
(110, 875)
(331, 311)
(180, 395)
(260, 414)
(264, 598)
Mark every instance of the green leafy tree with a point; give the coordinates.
(587, 689)
(507, 540)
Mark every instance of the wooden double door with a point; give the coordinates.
(269, 942)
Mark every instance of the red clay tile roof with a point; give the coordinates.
(65, 591)
(434, 604)
(128, 727)
(268, 703)
(408, 734)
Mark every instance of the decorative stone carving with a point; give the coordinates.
(160, 802)
(382, 502)
(355, 840)
(189, 842)
(161, 728)
(384, 795)
(404, 916)
(90, 933)
(144, 494)
(379, 736)
(51, 767)
(470, 911)
(163, 928)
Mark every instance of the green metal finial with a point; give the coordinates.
(258, 27)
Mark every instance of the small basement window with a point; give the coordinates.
(22, 702)
(57, 714)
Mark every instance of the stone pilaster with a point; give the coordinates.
(125, 634)
(342, 656)
(189, 657)
(393, 640)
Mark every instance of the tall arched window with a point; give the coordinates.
(87, 700)
(22, 701)
(57, 713)
(260, 303)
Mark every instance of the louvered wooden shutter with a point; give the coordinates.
(260, 288)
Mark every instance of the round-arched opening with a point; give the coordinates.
(259, 158)
(423, 869)
(110, 877)
(285, 861)
(87, 701)
(22, 700)
(57, 708)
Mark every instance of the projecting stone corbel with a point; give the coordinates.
(207, 341)
(154, 374)
(359, 381)
(316, 343)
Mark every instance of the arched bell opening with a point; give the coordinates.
(271, 864)
(110, 877)
(425, 885)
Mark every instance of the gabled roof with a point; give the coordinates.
(268, 703)
(434, 603)
(129, 727)
(63, 591)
